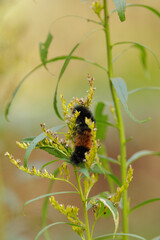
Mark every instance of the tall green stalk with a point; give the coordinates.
(84, 203)
(120, 124)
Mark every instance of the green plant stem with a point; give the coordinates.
(93, 227)
(119, 119)
(84, 203)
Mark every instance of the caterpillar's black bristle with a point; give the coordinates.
(84, 112)
(78, 156)
(83, 135)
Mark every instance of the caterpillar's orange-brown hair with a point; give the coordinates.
(83, 137)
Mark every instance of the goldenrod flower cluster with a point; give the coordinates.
(52, 140)
(71, 212)
(89, 98)
(23, 144)
(69, 117)
(32, 171)
(64, 171)
(97, 7)
(88, 183)
(91, 156)
(117, 196)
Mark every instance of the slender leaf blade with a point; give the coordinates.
(27, 139)
(47, 195)
(59, 58)
(50, 149)
(85, 172)
(143, 56)
(64, 68)
(48, 163)
(51, 225)
(144, 6)
(140, 154)
(121, 90)
(35, 141)
(143, 88)
(99, 116)
(137, 44)
(144, 203)
(7, 109)
(101, 170)
(113, 210)
(120, 7)
(43, 47)
(121, 53)
(59, 78)
(109, 159)
(111, 235)
(54, 151)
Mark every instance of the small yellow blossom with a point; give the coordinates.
(22, 145)
(91, 156)
(32, 171)
(53, 140)
(71, 212)
(97, 7)
(117, 196)
(64, 171)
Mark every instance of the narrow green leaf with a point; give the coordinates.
(97, 168)
(48, 163)
(89, 205)
(102, 209)
(53, 151)
(76, 16)
(144, 203)
(121, 53)
(85, 172)
(47, 195)
(113, 210)
(43, 47)
(27, 139)
(143, 56)
(140, 46)
(109, 159)
(35, 141)
(16, 90)
(140, 5)
(99, 116)
(64, 68)
(105, 123)
(109, 236)
(142, 89)
(59, 78)
(121, 90)
(50, 149)
(145, 6)
(120, 7)
(53, 224)
(140, 154)
(7, 110)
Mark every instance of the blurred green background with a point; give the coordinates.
(23, 25)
